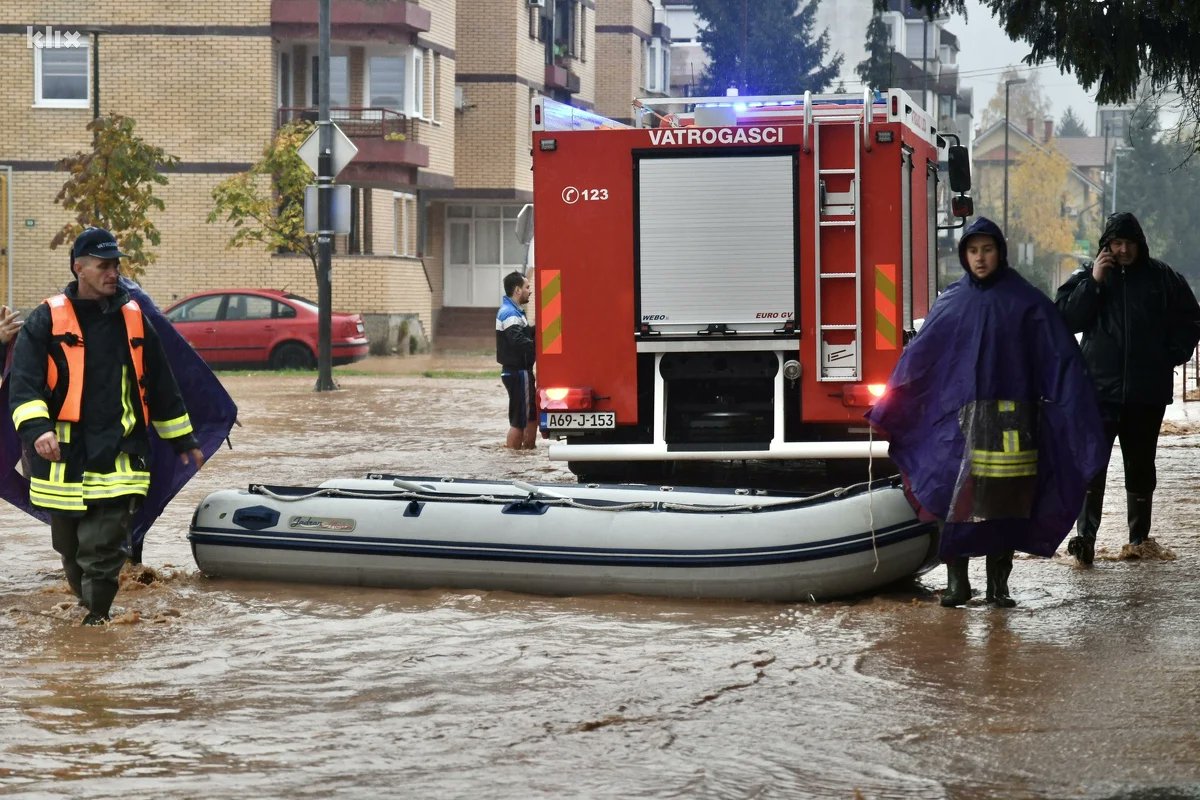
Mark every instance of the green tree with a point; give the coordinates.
(1118, 47)
(266, 204)
(876, 69)
(112, 186)
(763, 47)
(1070, 125)
(1158, 183)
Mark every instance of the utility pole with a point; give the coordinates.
(324, 210)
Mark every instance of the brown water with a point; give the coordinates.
(226, 689)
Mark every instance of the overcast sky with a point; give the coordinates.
(984, 51)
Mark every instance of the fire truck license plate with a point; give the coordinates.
(578, 420)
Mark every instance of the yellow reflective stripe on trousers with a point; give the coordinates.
(63, 431)
(998, 471)
(56, 495)
(33, 409)
(996, 457)
(173, 428)
(1006, 405)
(121, 481)
(128, 419)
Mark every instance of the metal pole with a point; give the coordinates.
(95, 74)
(1116, 162)
(324, 216)
(1006, 126)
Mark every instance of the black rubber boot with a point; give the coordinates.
(1139, 516)
(1083, 546)
(958, 583)
(95, 619)
(98, 596)
(999, 567)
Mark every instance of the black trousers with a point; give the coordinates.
(1136, 426)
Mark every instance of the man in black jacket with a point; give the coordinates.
(1139, 319)
(515, 352)
(88, 380)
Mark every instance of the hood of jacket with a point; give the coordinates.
(983, 226)
(1124, 225)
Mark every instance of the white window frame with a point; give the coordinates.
(40, 102)
(404, 239)
(653, 54)
(414, 101)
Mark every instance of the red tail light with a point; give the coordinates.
(565, 398)
(863, 395)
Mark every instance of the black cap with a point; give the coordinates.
(95, 242)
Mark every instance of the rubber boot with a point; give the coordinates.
(958, 583)
(999, 567)
(1139, 516)
(98, 596)
(1083, 546)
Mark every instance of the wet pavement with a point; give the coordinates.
(215, 688)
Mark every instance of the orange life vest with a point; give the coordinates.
(64, 328)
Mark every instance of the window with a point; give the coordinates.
(655, 66)
(397, 81)
(285, 80)
(485, 235)
(416, 108)
(60, 76)
(339, 81)
(386, 74)
(202, 309)
(404, 239)
(249, 306)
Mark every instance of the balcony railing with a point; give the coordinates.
(357, 122)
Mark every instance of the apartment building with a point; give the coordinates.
(633, 45)
(435, 94)
(210, 82)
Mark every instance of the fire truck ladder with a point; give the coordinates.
(831, 210)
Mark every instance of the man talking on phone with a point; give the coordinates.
(1139, 320)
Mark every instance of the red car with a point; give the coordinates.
(256, 327)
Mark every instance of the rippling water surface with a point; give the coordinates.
(227, 689)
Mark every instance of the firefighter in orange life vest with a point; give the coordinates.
(88, 378)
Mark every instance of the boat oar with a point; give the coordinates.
(537, 491)
(409, 486)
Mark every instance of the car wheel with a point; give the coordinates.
(291, 355)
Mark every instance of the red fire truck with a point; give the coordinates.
(732, 285)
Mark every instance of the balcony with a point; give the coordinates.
(350, 20)
(561, 78)
(388, 153)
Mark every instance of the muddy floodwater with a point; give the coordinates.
(211, 688)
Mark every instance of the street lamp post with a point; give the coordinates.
(1116, 160)
(1009, 82)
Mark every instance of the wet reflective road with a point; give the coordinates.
(225, 689)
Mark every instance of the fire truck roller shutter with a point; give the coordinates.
(717, 242)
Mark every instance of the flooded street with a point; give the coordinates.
(1090, 688)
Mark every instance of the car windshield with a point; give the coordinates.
(295, 298)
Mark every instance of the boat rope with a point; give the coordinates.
(871, 495)
(560, 501)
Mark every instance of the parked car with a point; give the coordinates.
(257, 327)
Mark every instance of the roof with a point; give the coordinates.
(1083, 151)
(995, 154)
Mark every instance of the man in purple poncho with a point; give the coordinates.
(992, 419)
